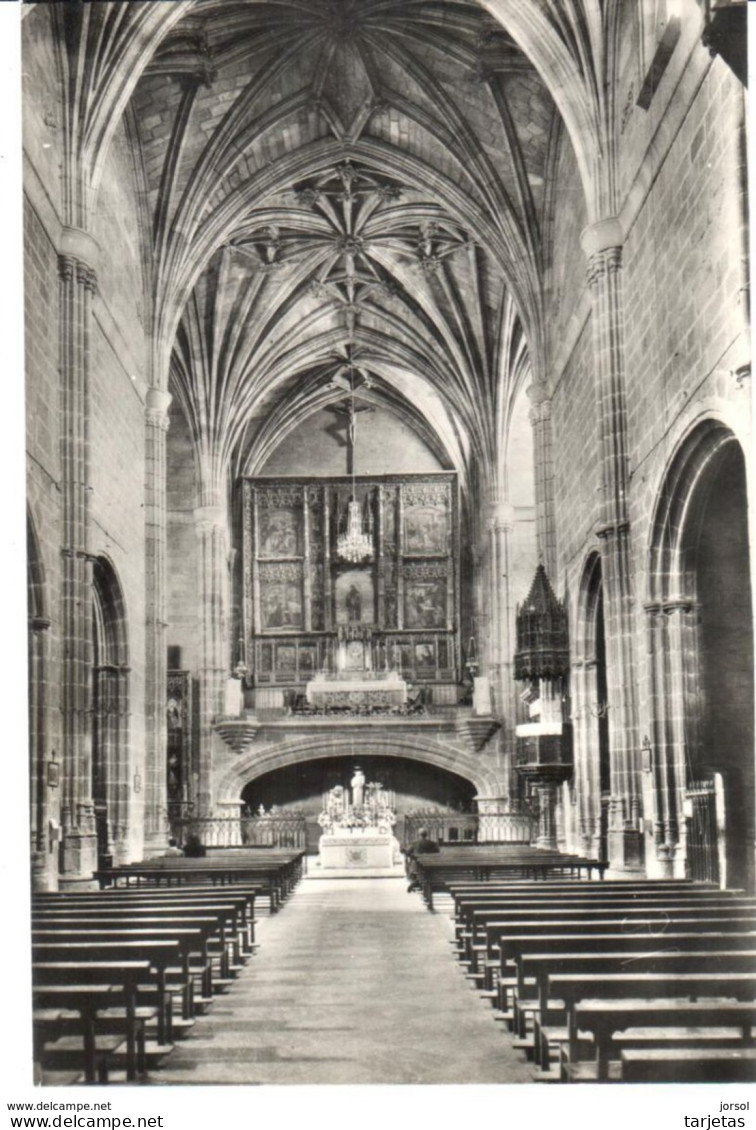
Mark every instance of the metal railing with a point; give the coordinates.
(279, 831)
(470, 828)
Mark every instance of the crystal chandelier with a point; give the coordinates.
(356, 544)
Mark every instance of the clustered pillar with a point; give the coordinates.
(585, 740)
(543, 462)
(112, 721)
(156, 427)
(602, 244)
(672, 638)
(212, 555)
(500, 525)
(42, 879)
(77, 288)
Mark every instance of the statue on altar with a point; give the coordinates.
(358, 832)
(358, 788)
(371, 808)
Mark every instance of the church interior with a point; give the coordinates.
(388, 478)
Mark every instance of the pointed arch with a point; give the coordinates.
(111, 769)
(700, 643)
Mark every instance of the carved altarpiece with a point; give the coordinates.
(298, 598)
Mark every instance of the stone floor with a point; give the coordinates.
(354, 982)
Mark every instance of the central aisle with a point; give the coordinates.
(354, 982)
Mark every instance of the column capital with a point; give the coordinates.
(604, 235)
(501, 515)
(70, 268)
(78, 254)
(540, 404)
(206, 517)
(538, 393)
(75, 243)
(680, 603)
(609, 530)
(156, 406)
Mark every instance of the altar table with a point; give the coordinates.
(356, 849)
(354, 693)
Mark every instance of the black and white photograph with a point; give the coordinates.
(381, 389)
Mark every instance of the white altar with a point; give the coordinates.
(358, 827)
(357, 847)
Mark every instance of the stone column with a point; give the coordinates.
(602, 243)
(77, 255)
(42, 880)
(113, 734)
(156, 811)
(672, 633)
(547, 826)
(500, 524)
(212, 554)
(540, 419)
(586, 752)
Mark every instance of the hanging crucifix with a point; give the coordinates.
(347, 410)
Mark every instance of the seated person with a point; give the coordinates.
(173, 848)
(423, 845)
(194, 847)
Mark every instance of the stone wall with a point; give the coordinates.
(577, 475)
(116, 430)
(43, 474)
(318, 447)
(683, 314)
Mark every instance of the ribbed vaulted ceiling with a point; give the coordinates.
(345, 192)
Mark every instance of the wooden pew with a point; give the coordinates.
(159, 954)
(192, 941)
(236, 925)
(577, 929)
(487, 892)
(65, 982)
(499, 887)
(602, 1019)
(583, 933)
(577, 932)
(689, 1065)
(120, 924)
(538, 956)
(277, 870)
(225, 939)
(569, 989)
(472, 908)
(654, 931)
(436, 871)
(168, 927)
(54, 1004)
(542, 968)
(475, 920)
